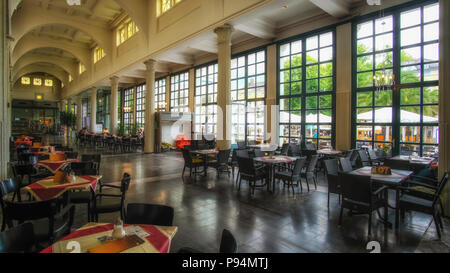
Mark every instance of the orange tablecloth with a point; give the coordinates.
(19, 142)
(54, 166)
(46, 189)
(157, 241)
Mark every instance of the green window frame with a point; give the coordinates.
(140, 105)
(160, 95)
(307, 89)
(403, 120)
(248, 95)
(179, 92)
(205, 100)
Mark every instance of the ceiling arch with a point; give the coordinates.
(31, 16)
(138, 12)
(68, 65)
(31, 42)
(51, 69)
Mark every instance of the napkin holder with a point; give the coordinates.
(382, 170)
(57, 157)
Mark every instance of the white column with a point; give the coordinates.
(149, 130)
(223, 87)
(343, 87)
(444, 98)
(4, 93)
(271, 100)
(113, 104)
(79, 113)
(93, 118)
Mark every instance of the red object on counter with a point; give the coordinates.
(181, 141)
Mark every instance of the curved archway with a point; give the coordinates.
(29, 59)
(29, 43)
(57, 72)
(32, 16)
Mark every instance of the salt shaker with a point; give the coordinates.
(119, 231)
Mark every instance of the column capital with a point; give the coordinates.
(224, 33)
(114, 79)
(150, 64)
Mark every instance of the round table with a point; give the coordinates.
(271, 162)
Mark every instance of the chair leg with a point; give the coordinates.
(340, 215)
(437, 226)
(184, 168)
(240, 180)
(89, 211)
(328, 201)
(307, 182)
(370, 223)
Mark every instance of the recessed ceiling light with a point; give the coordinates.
(284, 7)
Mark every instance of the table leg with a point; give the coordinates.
(272, 178)
(205, 165)
(397, 211)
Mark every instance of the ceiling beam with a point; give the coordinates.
(336, 8)
(258, 27)
(174, 57)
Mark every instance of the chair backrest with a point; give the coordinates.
(187, 156)
(346, 164)
(259, 153)
(223, 156)
(125, 183)
(397, 164)
(299, 163)
(285, 149)
(241, 145)
(19, 239)
(356, 188)
(93, 158)
(228, 243)
(8, 186)
(331, 166)
(149, 214)
(242, 153)
(354, 157)
(441, 187)
(33, 159)
(372, 154)
(363, 158)
(312, 163)
(72, 155)
(92, 171)
(310, 146)
(22, 169)
(202, 146)
(29, 211)
(246, 165)
(80, 167)
(188, 147)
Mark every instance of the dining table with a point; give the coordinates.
(272, 162)
(329, 152)
(54, 166)
(205, 153)
(47, 188)
(155, 239)
(392, 181)
(415, 162)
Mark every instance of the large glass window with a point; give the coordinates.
(140, 105)
(404, 44)
(248, 93)
(307, 90)
(160, 95)
(205, 100)
(179, 92)
(128, 107)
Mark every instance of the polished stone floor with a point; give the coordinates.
(265, 222)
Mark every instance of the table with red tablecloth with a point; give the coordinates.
(47, 189)
(156, 239)
(54, 166)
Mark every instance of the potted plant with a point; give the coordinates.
(69, 120)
